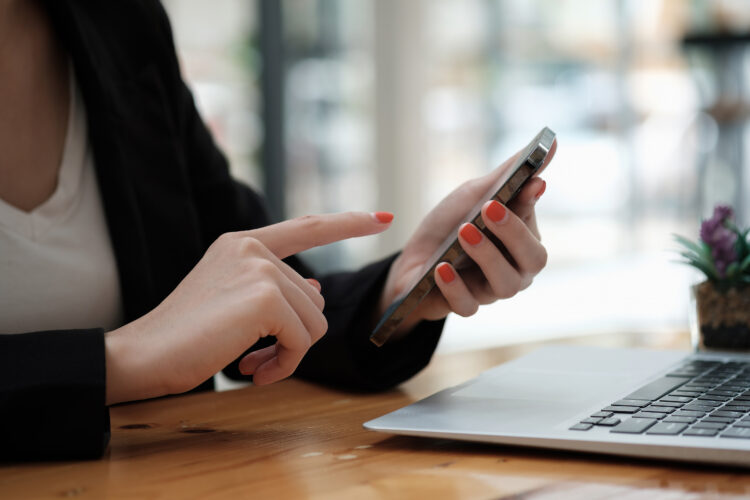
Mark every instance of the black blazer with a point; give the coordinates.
(167, 195)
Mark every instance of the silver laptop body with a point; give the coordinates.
(536, 399)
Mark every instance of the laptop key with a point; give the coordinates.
(721, 420)
(708, 425)
(736, 432)
(602, 414)
(591, 420)
(658, 388)
(713, 399)
(697, 407)
(660, 409)
(721, 393)
(631, 402)
(700, 432)
(649, 414)
(684, 373)
(676, 399)
(608, 422)
(621, 409)
(731, 387)
(682, 420)
(741, 424)
(633, 426)
(706, 402)
(730, 414)
(667, 428)
(686, 394)
(666, 403)
(730, 407)
(581, 427)
(686, 413)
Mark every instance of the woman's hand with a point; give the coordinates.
(239, 292)
(494, 277)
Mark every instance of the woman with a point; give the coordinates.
(133, 266)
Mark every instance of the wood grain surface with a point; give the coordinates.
(297, 440)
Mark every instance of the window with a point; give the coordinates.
(390, 104)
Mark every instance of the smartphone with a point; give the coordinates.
(529, 162)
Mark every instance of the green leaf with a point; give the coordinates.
(740, 246)
(700, 259)
(732, 270)
(706, 252)
(690, 245)
(706, 269)
(693, 256)
(745, 264)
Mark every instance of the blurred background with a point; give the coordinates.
(333, 105)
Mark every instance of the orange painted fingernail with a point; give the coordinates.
(470, 233)
(445, 272)
(496, 212)
(542, 190)
(383, 217)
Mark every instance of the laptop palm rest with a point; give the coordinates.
(533, 394)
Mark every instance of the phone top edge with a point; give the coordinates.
(542, 147)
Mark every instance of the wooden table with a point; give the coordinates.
(297, 440)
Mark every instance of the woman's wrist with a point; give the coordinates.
(129, 376)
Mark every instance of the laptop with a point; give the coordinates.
(633, 402)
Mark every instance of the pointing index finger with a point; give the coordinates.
(295, 235)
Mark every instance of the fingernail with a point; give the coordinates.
(496, 212)
(542, 190)
(470, 233)
(383, 217)
(315, 283)
(445, 272)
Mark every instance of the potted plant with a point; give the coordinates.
(723, 299)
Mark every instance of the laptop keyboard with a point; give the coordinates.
(700, 398)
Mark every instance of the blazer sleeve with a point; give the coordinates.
(52, 395)
(344, 357)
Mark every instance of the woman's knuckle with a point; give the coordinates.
(250, 245)
(225, 237)
(267, 296)
(305, 342)
(222, 241)
(508, 287)
(468, 309)
(541, 260)
(265, 268)
(321, 328)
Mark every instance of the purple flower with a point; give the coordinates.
(720, 238)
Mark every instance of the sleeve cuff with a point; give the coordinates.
(345, 357)
(52, 395)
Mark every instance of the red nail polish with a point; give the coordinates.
(470, 233)
(542, 190)
(445, 272)
(383, 217)
(496, 212)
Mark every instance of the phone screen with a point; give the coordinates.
(528, 163)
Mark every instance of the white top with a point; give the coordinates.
(57, 267)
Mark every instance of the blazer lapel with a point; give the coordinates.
(122, 212)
